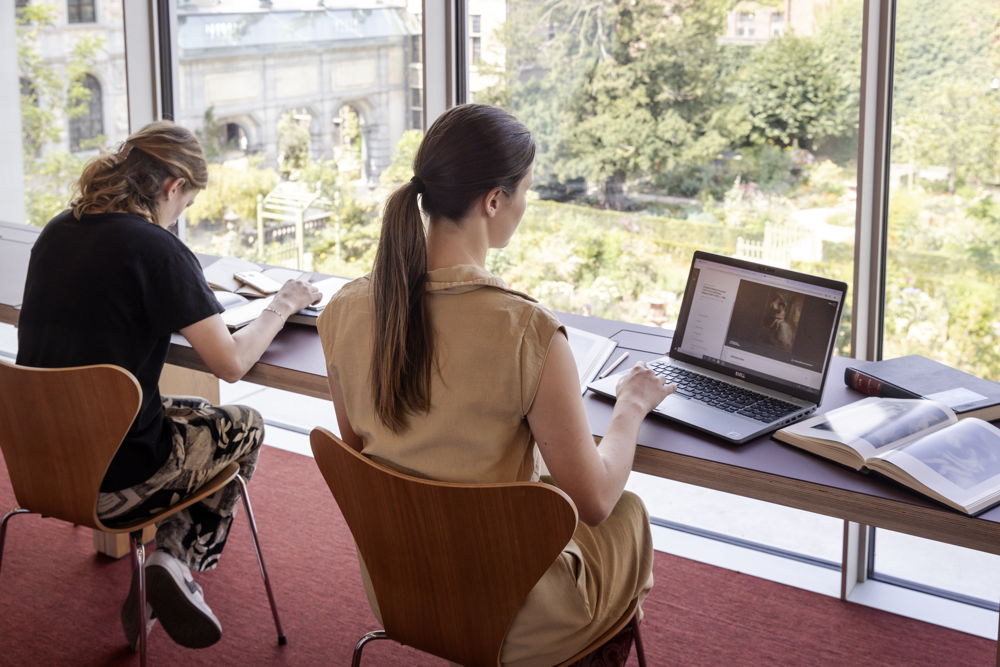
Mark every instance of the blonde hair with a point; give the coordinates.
(130, 179)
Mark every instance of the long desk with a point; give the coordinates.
(762, 468)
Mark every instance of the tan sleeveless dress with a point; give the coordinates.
(491, 344)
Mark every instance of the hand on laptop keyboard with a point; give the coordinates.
(643, 386)
(723, 395)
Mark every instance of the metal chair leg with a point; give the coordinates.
(3, 528)
(282, 640)
(371, 636)
(640, 655)
(138, 552)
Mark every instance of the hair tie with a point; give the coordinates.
(418, 184)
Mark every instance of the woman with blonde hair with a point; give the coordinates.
(108, 283)
(438, 369)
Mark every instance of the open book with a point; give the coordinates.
(229, 274)
(241, 311)
(918, 443)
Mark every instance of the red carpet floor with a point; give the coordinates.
(59, 601)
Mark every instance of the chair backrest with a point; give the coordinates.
(450, 564)
(59, 430)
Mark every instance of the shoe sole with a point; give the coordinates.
(185, 622)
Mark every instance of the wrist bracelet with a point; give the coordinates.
(277, 312)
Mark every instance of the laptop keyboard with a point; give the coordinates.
(723, 395)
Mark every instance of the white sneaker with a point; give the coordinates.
(179, 602)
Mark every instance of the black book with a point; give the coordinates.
(916, 376)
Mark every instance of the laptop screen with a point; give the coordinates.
(772, 326)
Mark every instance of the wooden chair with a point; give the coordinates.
(59, 430)
(451, 564)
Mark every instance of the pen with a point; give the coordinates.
(614, 364)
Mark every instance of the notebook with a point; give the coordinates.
(751, 350)
(244, 311)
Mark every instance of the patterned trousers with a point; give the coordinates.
(205, 438)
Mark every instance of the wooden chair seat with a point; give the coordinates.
(450, 564)
(59, 430)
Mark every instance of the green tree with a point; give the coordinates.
(792, 94)
(232, 191)
(293, 144)
(400, 169)
(641, 83)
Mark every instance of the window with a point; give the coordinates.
(86, 115)
(744, 24)
(80, 11)
(476, 24)
(324, 115)
(942, 295)
(630, 177)
(477, 50)
(72, 89)
(777, 24)
(416, 50)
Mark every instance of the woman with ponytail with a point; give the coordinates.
(108, 283)
(438, 369)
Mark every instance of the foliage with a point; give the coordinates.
(232, 193)
(639, 79)
(792, 94)
(48, 96)
(293, 144)
(400, 169)
(209, 136)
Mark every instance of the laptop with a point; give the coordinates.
(751, 350)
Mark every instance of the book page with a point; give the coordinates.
(961, 462)
(873, 424)
(229, 299)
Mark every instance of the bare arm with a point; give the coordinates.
(230, 355)
(594, 477)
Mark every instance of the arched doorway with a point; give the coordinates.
(349, 149)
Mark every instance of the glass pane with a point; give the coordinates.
(943, 291)
(785, 528)
(305, 112)
(943, 284)
(664, 131)
(964, 571)
(71, 83)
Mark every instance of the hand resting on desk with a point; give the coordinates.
(230, 355)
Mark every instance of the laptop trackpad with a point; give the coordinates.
(699, 415)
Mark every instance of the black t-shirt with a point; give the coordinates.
(110, 289)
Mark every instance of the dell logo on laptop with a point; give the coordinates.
(740, 375)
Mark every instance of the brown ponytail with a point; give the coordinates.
(401, 368)
(468, 151)
(130, 179)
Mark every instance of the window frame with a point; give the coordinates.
(75, 10)
(82, 128)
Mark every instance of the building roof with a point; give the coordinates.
(220, 31)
